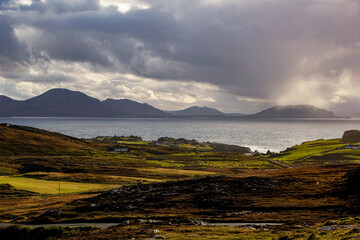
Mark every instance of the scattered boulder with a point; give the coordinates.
(215, 192)
(351, 136)
(158, 236)
(52, 212)
(126, 222)
(338, 227)
(6, 186)
(8, 190)
(199, 222)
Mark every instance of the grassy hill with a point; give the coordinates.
(19, 140)
(318, 152)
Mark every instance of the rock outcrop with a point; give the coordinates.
(351, 136)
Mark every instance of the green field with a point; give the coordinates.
(51, 187)
(318, 152)
(209, 181)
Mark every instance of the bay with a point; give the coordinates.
(258, 134)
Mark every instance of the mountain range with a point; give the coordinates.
(67, 103)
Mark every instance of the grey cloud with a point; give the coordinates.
(253, 48)
(99, 37)
(48, 78)
(72, 47)
(61, 6)
(249, 48)
(4, 3)
(11, 50)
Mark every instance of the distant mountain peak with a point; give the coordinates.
(62, 91)
(197, 107)
(5, 98)
(61, 96)
(60, 102)
(294, 111)
(197, 111)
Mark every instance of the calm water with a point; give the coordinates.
(275, 135)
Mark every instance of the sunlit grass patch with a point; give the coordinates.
(235, 164)
(134, 143)
(165, 163)
(7, 171)
(199, 147)
(51, 187)
(185, 154)
(87, 178)
(310, 149)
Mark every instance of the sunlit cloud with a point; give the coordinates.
(238, 56)
(124, 6)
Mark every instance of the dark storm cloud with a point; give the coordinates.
(250, 48)
(59, 7)
(99, 37)
(3, 3)
(11, 50)
(39, 78)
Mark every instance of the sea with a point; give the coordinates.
(259, 134)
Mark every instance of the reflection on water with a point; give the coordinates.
(258, 134)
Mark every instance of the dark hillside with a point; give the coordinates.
(60, 103)
(351, 136)
(294, 111)
(18, 140)
(197, 111)
(129, 108)
(5, 99)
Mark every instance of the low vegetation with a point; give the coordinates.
(188, 232)
(18, 140)
(312, 188)
(51, 187)
(30, 233)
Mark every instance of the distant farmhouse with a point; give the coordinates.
(118, 149)
(349, 146)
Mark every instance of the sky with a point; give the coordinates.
(233, 55)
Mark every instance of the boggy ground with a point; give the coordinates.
(174, 184)
(190, 232)
(308, 195)
(181, 231)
